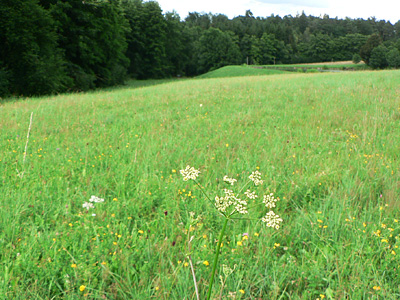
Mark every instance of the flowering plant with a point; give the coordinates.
(231, 203)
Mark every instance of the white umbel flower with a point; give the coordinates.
(189, 173)
(269, 200)
(231, 181)
(272, 220)
(230, 199)
(256, 178)
(96, 199)
(241, 206)
(87, 205)
(250, 195)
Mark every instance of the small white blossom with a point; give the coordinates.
(241, 206)
(230, 199)
(269, 200)
(222, 203)
(96, 199)
(250, 195)
(88, 205)
(256, 178)
(189, 173)
(231, 181)
(272, 219)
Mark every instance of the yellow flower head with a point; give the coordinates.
(206, 263)
(82, 288)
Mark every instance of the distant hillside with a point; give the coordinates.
(236, 71)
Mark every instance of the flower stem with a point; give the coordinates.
(221, 235)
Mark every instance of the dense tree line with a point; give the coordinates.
(52, 46)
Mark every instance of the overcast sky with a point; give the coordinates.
(388, 10)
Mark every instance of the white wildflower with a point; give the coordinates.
(231, 181)
(272, 219)
(269, 200)
(222, 203)
(241, 206)
(96, 199)
(256, 178)
(88, 205)
(189, 173)
(250, 195)
(230, 199)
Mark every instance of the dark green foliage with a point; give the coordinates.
(366, 50)
(146, 40)
(217, 49)
(4, 81)
(393, 58)
(53, 46)
(92, 35)
(267, 50)
(177, 48)
(356, 58)
(378, 57)
(344, 47)
(32, 63)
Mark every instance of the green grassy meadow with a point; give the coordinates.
(327, 144)
(238, 71)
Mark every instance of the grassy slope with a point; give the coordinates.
(328, 145)
(236, 71)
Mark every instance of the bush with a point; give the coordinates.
(393, 58)
(356, 58)
(378, 57)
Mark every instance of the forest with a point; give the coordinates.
(56, 46)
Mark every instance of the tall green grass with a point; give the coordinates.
(327, 144)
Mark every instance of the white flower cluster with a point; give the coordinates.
(189, 173)
(223, 203)
(231, 203)
(96, 199)
(89, 205)
(250, 195)
(256, 178)
(231, 181)
(269, 200)
(272, 219)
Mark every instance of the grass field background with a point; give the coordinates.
(327, 145)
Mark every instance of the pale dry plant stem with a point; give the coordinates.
(193, 274)
(26, 146)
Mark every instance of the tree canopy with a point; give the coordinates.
(52, 46)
